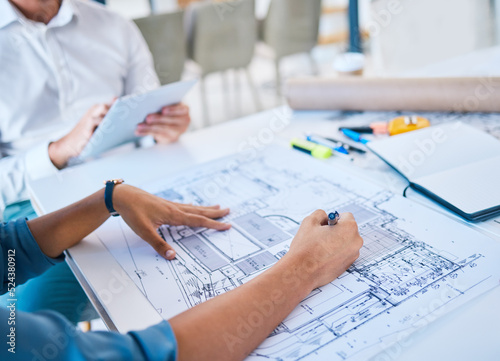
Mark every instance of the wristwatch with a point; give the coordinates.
(108, 195)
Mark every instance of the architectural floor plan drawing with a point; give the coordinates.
(415, 264)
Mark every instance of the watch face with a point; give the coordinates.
(115, 181)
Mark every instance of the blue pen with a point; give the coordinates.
(325, 142)
(333, 218)
(354, 136)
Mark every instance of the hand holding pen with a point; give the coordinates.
(333, 218)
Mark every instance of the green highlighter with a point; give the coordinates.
(316, 150)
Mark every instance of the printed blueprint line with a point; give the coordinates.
(411, 256)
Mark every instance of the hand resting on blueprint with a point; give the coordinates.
(142, 211)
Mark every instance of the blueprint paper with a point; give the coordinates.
(415, 265)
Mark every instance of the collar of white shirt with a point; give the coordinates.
(9, 14)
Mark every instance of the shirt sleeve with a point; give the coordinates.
(20, 256)
(38, 163)
(47, 335)
(12, 182)
(141, 74)
(17, 170)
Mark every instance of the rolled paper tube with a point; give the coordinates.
(390, 94)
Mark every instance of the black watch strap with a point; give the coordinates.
(108, 195)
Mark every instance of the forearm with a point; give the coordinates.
(230, 326)
(62, 229)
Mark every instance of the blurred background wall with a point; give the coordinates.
(407, 34)
(398, 38)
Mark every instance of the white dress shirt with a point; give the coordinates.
(50, 75)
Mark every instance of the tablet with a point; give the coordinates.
(119, 125)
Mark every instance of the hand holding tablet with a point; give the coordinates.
(167, 125)
(151, 110)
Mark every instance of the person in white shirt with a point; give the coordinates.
(61, 65)
(62, 62)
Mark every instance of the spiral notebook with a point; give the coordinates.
(454, 164)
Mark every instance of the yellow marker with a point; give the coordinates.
(316, 150)
(407, 124)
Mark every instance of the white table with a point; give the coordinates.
(471, 332)
(457, 336)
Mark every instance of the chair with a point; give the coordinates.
(164, 34)
(222, 37)
(291, 27)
